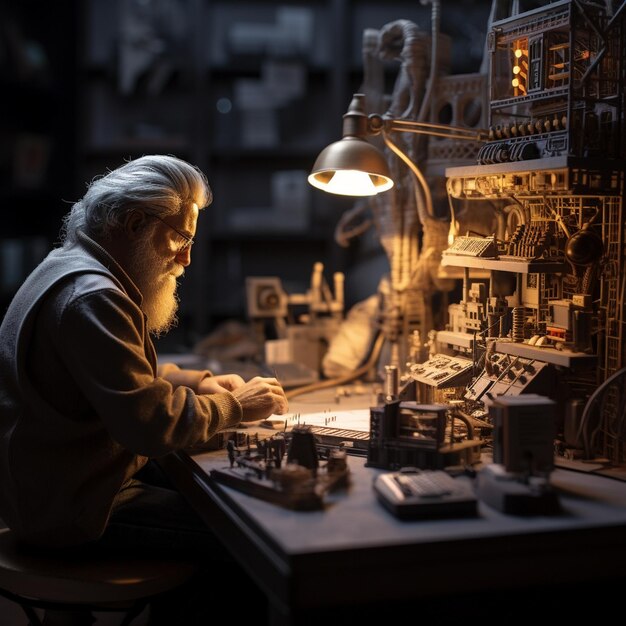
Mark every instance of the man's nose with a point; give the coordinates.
(184, 256)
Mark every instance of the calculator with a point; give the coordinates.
(411, 493)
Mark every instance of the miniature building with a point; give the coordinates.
(554, 171)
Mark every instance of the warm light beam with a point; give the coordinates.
(350, 183)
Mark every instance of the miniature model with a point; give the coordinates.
(535, 234)
(299, 483)
(554, 171)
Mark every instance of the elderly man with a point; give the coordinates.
(83, 404)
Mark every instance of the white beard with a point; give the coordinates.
(158, 286)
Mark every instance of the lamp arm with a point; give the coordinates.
(378, 123)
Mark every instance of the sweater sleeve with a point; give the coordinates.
(186, 377)
(102, 336)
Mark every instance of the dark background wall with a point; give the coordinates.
(249, 91)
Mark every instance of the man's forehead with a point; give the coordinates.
(188, 216)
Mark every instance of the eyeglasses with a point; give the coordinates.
(189, 241)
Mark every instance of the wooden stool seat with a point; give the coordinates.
(94, 583)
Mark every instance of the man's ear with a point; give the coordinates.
(134, 223)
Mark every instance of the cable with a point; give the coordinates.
(346, 378)
(586, 415)
(434, 60)
(416, 171)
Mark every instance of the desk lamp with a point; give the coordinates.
(354, 167)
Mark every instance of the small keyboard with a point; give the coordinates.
(355, 442)
(427, 484)
(414, 494)
(472, 246)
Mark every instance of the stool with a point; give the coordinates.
(83, 584)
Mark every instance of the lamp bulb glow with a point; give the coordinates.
(515, 82)
(518, 53)
(352, 183)
(516, 69)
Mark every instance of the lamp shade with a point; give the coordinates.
(351, 167)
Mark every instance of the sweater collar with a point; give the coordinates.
(101, 255)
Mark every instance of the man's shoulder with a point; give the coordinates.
(68, 277)
(73, 266)
(81, 284)
(85, 296)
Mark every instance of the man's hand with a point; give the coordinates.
(261, 397)
(221, 383)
